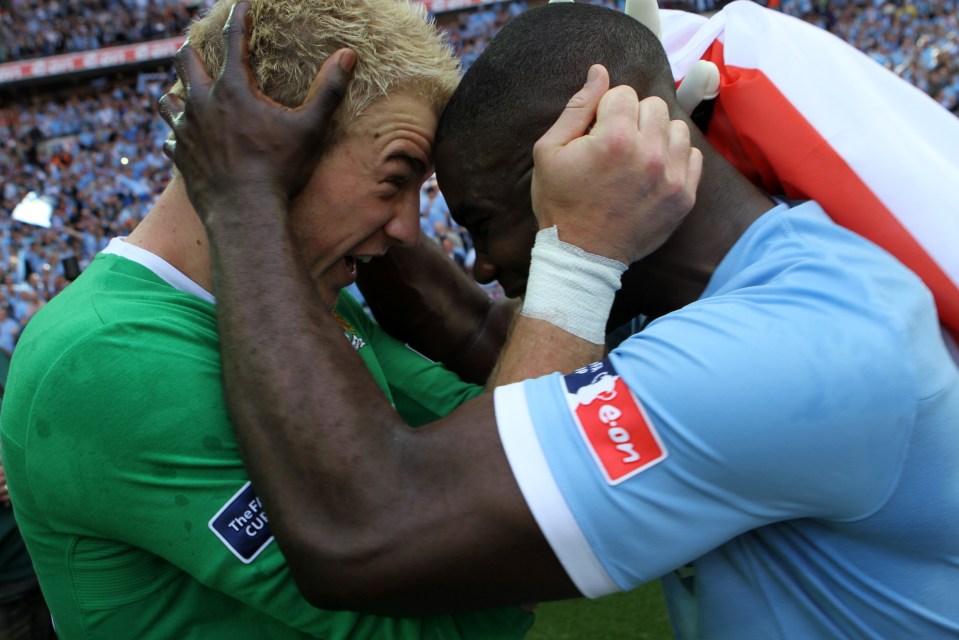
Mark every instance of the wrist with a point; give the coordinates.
(571, 288)
(225, 210)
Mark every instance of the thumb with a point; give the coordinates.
(328, 88)
(580, 111)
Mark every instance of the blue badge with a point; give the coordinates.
(588, 375)
(242, 525)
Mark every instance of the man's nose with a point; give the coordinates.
(484, 270)
(404, 227)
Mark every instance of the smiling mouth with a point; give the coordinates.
(350, 262)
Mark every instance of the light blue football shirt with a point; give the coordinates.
(793, 435)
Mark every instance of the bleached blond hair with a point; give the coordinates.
(396, 43)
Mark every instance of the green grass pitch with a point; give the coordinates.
(637, 615)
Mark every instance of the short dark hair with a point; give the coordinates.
(516, 89)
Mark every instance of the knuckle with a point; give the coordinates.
(624, 92)
(620, 147)
(655, 103)
(580, 100)
(539, 149)
(333, 94)
(181, 53)
(679, 130)
(655, 163)
(681, 198)
(620, 143)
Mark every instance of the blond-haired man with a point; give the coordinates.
(124, 472)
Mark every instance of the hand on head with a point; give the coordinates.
(614, 173)
(230, 138)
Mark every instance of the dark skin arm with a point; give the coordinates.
(371, 514)
(354, 495)
(421, 297)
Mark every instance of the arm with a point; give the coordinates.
(419, 296)
(369, 512)
(569, 162)
(354, 495)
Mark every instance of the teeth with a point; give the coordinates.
(364, 259)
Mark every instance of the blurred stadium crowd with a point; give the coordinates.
(34, 28)
(91, 151)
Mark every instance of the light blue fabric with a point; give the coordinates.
(810, 415)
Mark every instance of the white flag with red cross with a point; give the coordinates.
(803, 114)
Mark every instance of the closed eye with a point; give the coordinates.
(412, 167)
(398, 181)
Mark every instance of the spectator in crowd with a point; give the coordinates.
(918, 40)
(9, 330)
(35, 28)
(434, 212)
(73, 148)
(453, 248)
(98, 158)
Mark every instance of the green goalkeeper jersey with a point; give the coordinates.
(127, 483)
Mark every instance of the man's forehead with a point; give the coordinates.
(487, 196)
(481, 162)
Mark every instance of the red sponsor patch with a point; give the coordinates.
(620, 436)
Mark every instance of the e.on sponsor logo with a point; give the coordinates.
(619, 435)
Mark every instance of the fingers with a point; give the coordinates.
(617, 117)
(236, 43)
(641, 132)
(654, 116)
(190, 70)
(580, 111)
(681, 152)
(694, 171)
(328, 88)
(655, 127)
(171, 108)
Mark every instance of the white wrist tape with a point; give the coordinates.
(571, 288)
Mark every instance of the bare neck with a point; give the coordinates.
(173, 232)
(676, 275)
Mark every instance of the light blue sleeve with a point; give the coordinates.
(745, 423)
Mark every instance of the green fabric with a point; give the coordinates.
(118, 451)
(421, 390)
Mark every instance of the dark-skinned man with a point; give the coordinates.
(784, 431)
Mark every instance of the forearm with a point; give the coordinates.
(420, 297)
(562, 325)
(353, 495)
(536, 348)
(288, 377)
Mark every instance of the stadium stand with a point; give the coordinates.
(89, 148)
(35, 28)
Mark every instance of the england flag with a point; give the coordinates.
(803, 114)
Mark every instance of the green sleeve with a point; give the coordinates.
(422, 390)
